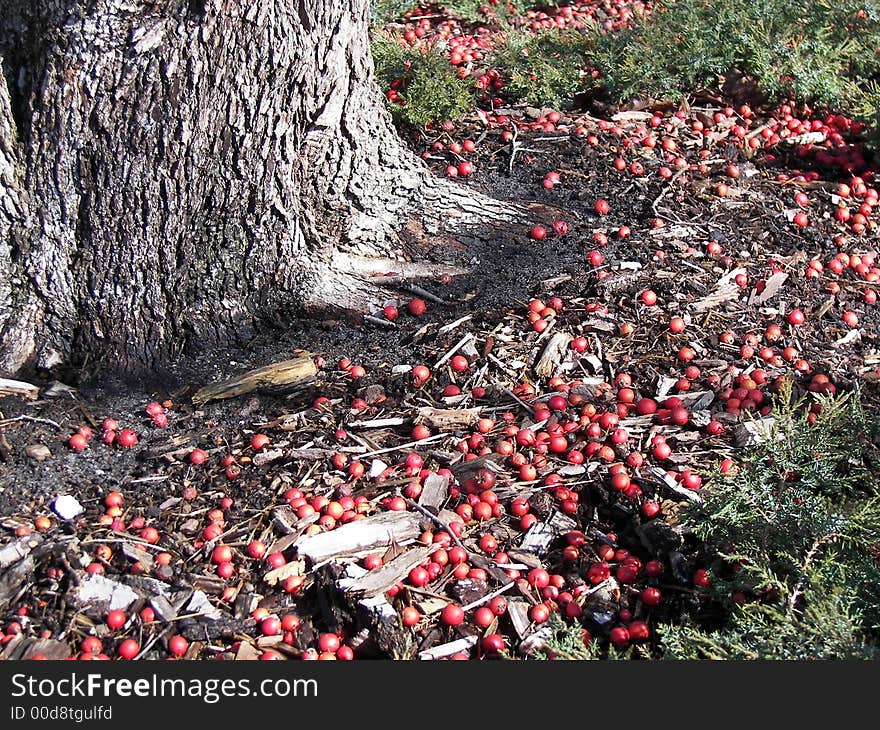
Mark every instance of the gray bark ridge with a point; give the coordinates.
(193, 171)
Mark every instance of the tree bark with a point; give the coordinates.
(178, 174)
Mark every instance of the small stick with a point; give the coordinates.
(452, 325)
(525, 405)
(408, 445)
(30, 419)
(380, 322)
(434, 518)
(424, 293)
(514, 148)
(489, 597)
(455, 348)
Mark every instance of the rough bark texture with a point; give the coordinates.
(178, 173)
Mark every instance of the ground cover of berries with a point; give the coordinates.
(529, 430)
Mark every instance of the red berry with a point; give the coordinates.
(493, 644)
(127, 438)
(538, 233)
(115, 620)
(650, 596)
(539, 613)
(270, 626)
(417, 307)
(452, 615)
(259, 441)
(178, 645)
(197, 457)
(128, 649)
(619, 636)
(77, 442)
(329, 642)
(602, 207)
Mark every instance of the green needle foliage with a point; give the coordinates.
(822, 52)
(428, 86)
(795, 533)
(546, 69)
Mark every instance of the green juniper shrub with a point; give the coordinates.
(544, 70)
(793, 537)
(820, 52)
(428, 88)
(795, 533)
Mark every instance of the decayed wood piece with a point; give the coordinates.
(453, 647)
(14, 580)
(381, 620)
(381, 579)
(553, 353)
(18, 387)
(294, 567)
(287, 373)
(518, 610)
(448, 418)
(752, 433)
(373, 532)
(540, 535)
(17, 549)
(772, 285)
(717, 297)
(670, 483)
(434, 491)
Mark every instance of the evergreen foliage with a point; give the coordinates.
(822, 52)
(428, 87)
(544, 70)
(795, 534)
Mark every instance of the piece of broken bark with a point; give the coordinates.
(379, 616)
(280, 375)
(448, 419)
(752, 433)
(376, 531)
(554, 351)
(453, 647)
(19, 388)
(434, 491)
(14, 580)
(383, 578)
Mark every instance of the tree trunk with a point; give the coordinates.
(177, 174)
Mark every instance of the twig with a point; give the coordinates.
(408, 445)
(455, 348)
(452, 325)
(811, 553)
(380, 322)
(519, 400)
(514, 148)
(489, 597)
(418, 291)
(440, 523)
(30, 419)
